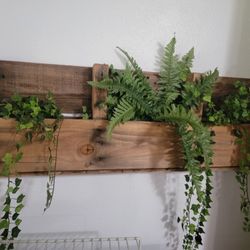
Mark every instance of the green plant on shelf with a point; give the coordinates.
(235, 109)
(30, 114)
(175, 101)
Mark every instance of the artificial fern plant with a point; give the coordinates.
(174, 101)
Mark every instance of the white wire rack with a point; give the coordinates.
(111, 243)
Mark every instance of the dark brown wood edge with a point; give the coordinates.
(99, 71)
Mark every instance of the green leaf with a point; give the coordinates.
(19, 208)
(198, 239)
(15, 190)
(192, 228)
(7, 200)
(200, 230)
(2, 246)
(27, 125)
(18, 222)
(6, 208)
(4, 224)
(8, 108)
(5, 216)
(207, 98)
(187, 178)
(7, 162)
(18, 182)
(18, 157)
(20, 198)
(4, 234)
(14, 216)
(15, 232)
(123, 112)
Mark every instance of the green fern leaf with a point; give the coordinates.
(168, 73)
(185, 65)
(122, 113)
(133, 63)
(103, 84)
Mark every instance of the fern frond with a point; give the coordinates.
(133, 63)
(103, 84)
(169, 73)
(122, 113)
(128, 84)
(209, 78)
(187, 59)
(179, 115)
(185, 65)
(206, 83)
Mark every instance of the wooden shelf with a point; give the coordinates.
(82, 146)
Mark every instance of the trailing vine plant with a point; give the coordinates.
(175, 101)
(235, 109)
(13, 204)
(29, 113)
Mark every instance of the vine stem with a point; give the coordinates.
(52, 179)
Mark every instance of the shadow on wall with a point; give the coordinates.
(239, 47)
(165, 186)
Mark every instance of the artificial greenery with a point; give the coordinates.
(13, 204)
(232, 109)
(242, 174)
(10, 221)
(235, 109)
(85, 115)
(174, 101)
(30, 114)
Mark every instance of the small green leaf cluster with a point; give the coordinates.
(193, 94)
(234, 109)
(10, 221)
(85, 115)
(30, 113)
(9, 162)
(173, 101)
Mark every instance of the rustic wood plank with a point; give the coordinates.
(134, 146)
(67, 83)
(99, 95)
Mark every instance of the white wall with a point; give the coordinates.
(85, 32)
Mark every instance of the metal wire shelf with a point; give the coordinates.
(110, 243)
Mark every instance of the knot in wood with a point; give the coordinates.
(87, 149)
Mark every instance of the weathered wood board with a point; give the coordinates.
(82, 146)
(67, 83)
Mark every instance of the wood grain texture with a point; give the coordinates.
(99, 71)
(67, 83)
(134, 146)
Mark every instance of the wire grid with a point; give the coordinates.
(112, 243)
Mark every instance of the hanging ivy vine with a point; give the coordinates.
(235, 109)
(30, 114)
